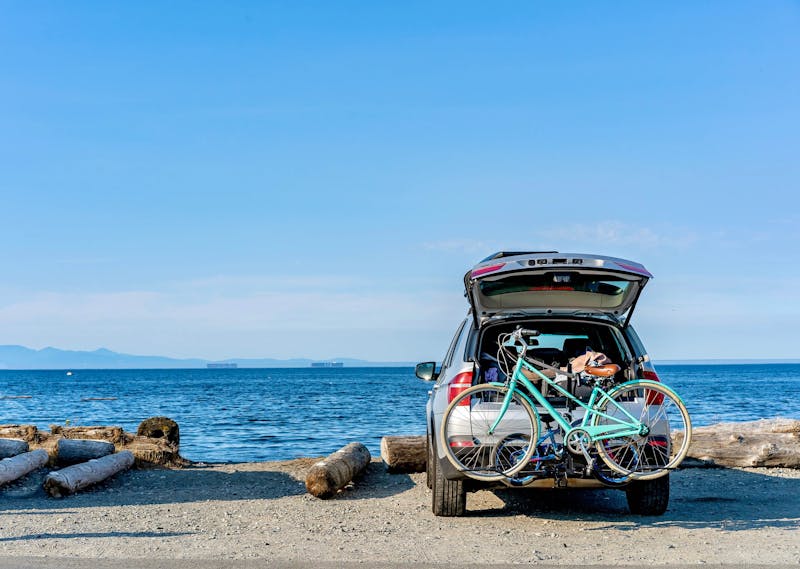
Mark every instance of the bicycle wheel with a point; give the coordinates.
(470, 444)
(510, 452)
(668, 430)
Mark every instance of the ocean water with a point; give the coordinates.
(274, 414)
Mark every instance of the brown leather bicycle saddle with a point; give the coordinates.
(602, 371)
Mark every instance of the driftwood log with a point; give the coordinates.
(404, 454)
(150, 452)
(28, 433)
(109, 434)
(758, 443)
(160, 428)
(12, 447)
(773, 442)
(18, 466)
(157, 443)
(328, 476)
(73, 478)
(74, 451)
(159, 446)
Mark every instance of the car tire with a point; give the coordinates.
(648, 497)
(429, 463)
(449, 496)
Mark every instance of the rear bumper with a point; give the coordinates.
(449, 472)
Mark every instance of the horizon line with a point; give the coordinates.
(368, 365)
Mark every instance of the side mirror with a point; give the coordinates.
(426, 371)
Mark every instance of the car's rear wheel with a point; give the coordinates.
(648, 497)
(429, 462)
(449, 496)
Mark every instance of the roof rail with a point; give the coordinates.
(502, 254)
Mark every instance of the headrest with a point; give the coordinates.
(575, 346)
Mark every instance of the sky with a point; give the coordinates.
(313, 179)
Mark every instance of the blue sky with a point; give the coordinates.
(289, 179)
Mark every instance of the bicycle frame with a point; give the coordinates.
(617, 427)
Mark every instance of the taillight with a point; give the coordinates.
(653, 398)
(651, 375)
(458, 385)
(484, 270)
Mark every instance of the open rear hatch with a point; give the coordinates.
(508, 284)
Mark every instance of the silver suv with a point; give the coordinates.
(575, 302)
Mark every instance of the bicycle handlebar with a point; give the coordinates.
(519, 332)
(515, 338)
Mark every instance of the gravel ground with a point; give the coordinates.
(261, 511)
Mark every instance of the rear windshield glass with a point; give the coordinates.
(558, 288)
(557, 341)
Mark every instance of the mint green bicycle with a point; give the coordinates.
(639, 430)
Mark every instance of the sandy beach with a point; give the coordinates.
(260, 511)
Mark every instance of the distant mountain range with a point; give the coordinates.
(20, 357)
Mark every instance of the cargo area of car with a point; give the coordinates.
(558, 343)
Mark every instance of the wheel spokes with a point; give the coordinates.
(652, 453)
